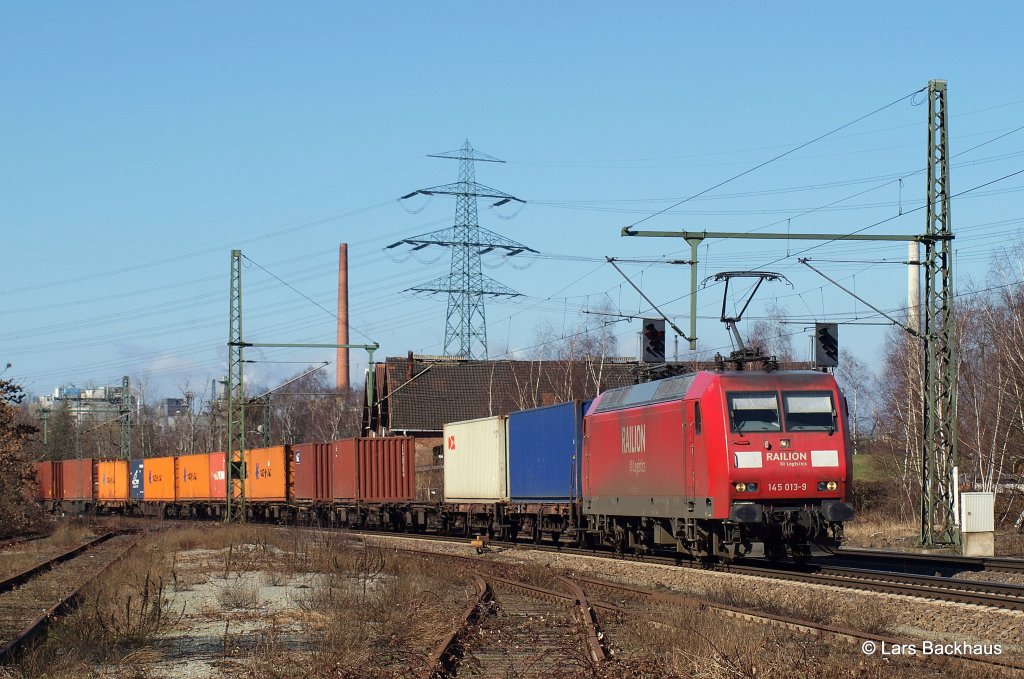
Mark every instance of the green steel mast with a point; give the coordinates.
(235, 396)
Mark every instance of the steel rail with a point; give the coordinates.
(597, 651)
(15, 580)
(442, 661)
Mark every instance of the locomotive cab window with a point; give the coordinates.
(751, 411)
(809, 411)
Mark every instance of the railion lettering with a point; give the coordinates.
(787, 457)
(634, 439)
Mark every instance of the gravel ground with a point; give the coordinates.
(993, 576)
(222, 616)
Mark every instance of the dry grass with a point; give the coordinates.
(692, 643)
(874, 617)
(1009, 543)
(239, 594)
(882, 531)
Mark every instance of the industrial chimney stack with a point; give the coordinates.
(342, 360)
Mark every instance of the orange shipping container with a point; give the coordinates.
(266, 474)
(158, 479)
(113, 480)
(192, 477)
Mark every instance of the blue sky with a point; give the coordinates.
(141, 142)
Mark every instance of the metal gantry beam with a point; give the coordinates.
(695, 238)
(939, 522)
(235, 393)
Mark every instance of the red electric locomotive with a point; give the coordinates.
(719, 464)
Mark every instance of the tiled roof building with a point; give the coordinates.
(419, 394)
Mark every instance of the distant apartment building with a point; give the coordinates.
(85, 404)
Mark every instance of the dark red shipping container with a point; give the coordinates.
(45, 478)
(387, 468)
(381, 469)
(343, 469)
(79, 479)
(311, 471)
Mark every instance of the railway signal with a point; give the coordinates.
(826, 345)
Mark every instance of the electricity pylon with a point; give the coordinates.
(465, 333)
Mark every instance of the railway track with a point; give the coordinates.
(940, 588)
(926, 564)
(30, 599)
(516, 628)
(619, 603)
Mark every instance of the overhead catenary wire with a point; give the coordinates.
(779, 156)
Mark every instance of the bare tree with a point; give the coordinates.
(771, 335)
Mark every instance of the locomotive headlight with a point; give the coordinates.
(741, 487)
(831, 485)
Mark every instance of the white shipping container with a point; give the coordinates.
(476, 460)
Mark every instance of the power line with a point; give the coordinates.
(775, 158)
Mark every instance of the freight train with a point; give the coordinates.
(719, 464)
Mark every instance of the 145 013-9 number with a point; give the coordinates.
(787, 487)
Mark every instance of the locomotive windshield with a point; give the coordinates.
(754, 411)
(809, 411)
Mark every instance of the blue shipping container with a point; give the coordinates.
(544, 447)
(135, 480)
